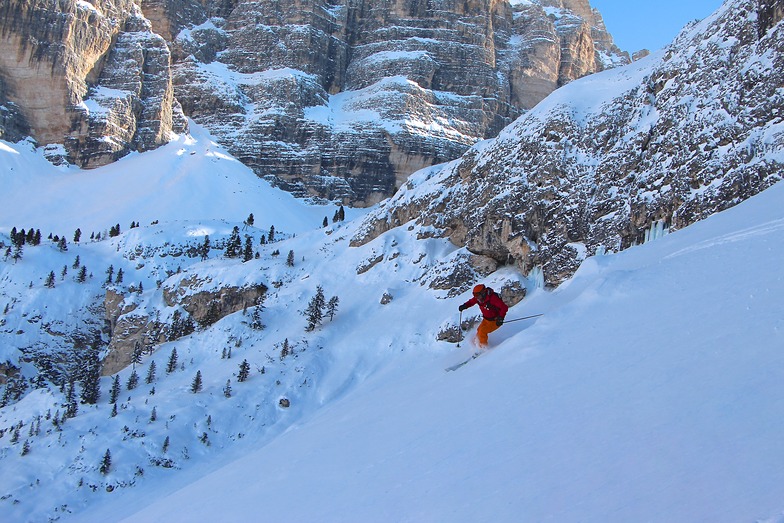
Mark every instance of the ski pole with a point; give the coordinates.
(459, 328)
(524, 318)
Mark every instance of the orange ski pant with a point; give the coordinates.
(485, 328)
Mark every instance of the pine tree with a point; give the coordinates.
(114, 392)
(290, 259)
(114, 410)
(62, 245)
(18, 250)
(118, 280)
(325, 223)
(205, 248)
(133, 380)
(136, 355)
(314, 312)
(77, 235)
(106, 463)
(250, 221)
(255, 315)
(285, 350)
(247, 253)
(25, 448)
(150, 373)
(50, 280)
(332, 307)
(91, 375)
(71, 406)
(153, 415)
(244, 371)
(227, 389)
(165, 446)
(77, 262)
(271, 235)
(341, 213)
(234, 245)
(82, 277)
(109, 274)
(196, 384)
(64, 272)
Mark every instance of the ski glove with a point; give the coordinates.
(499, 321)
(462, 307)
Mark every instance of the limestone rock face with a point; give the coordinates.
(614, 159)
(56, 56)
(344, 100)
(130, 327)
(329, 98)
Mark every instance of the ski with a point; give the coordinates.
(458, 365)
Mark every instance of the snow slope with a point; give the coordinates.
(649, 391)
(191, 178)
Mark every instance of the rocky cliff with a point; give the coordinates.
(89, 75)
(621, 156)
(345, 99)
(339, 99)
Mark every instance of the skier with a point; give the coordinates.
(493, 311)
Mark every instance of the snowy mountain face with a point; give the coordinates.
(339, 100)
(203, 385)
(621, 155)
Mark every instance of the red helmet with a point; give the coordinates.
(479, 289)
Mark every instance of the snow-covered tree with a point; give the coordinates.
(204, 251)
(150, 373)
(234, 245)
(171, 366)
(71, 406)
(90, 379)
(50, 280)
(196, 384)
(133, 380)
(314, 312)
(106, 463)
(247, 252)
(244, 372)
(114, 392)
(332, 307)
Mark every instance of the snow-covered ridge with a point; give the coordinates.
(673, 138)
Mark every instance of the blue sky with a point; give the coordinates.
(650, 25)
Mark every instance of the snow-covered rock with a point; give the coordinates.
(659, 144)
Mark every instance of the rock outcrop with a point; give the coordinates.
(345, 100)
(617, 157)
(132, 328)
(340, 100)
(89, 75)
